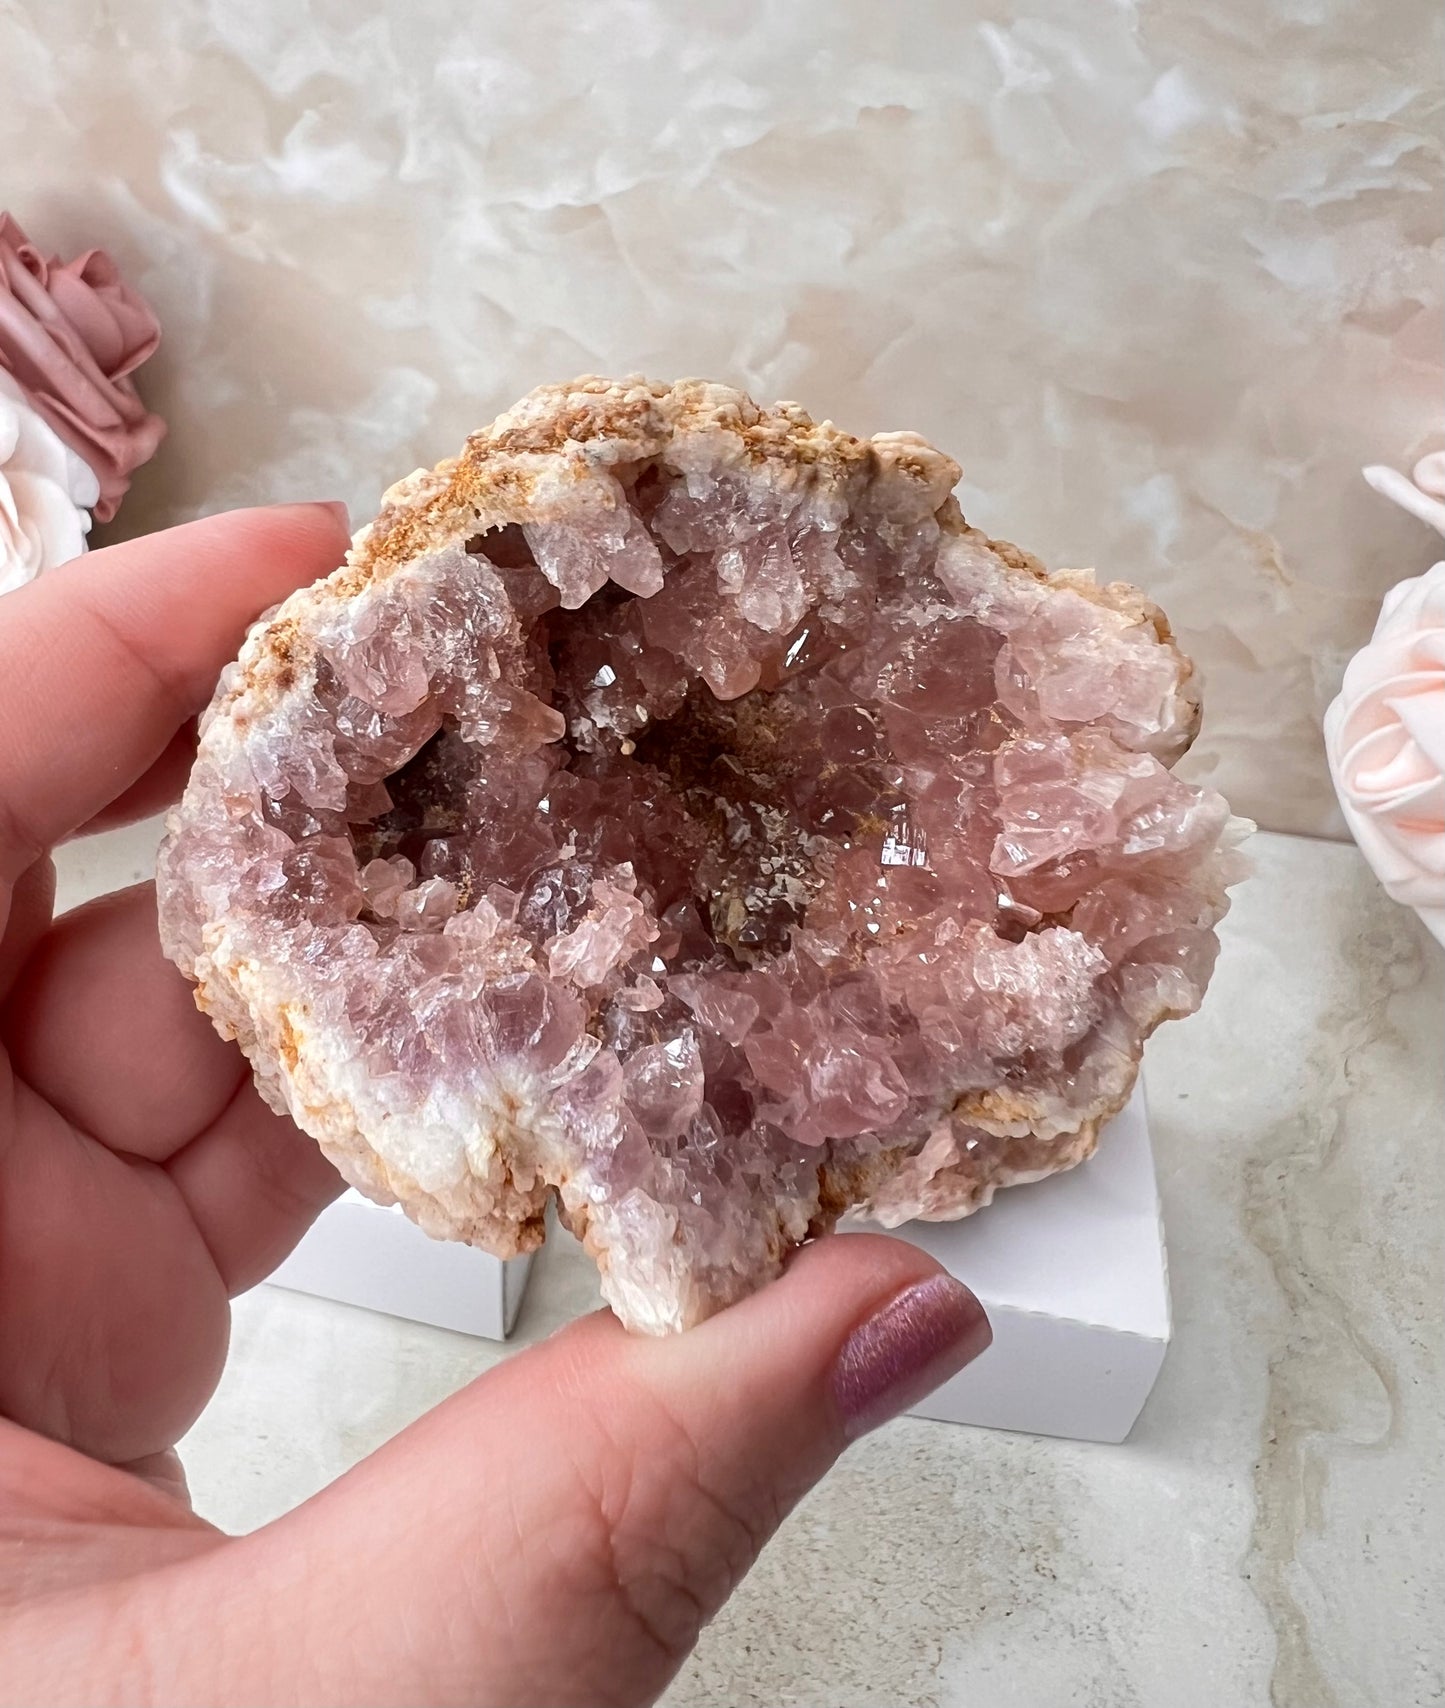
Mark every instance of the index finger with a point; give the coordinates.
(103, 659)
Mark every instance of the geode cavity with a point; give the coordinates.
(675, 808)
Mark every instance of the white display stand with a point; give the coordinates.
(1072, 1273)
(369, 1254)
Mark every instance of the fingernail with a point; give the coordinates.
(333, 506)
(917, 1340)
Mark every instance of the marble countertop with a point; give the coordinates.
(1269, 1534)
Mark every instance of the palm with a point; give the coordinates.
(142, 1182)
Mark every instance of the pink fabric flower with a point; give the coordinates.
(1385, 734)
(71, 335)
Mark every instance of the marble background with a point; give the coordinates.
(1161, 275)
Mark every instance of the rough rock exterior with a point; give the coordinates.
(675, 808)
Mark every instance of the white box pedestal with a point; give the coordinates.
(369, 1254)
(1072, 1273)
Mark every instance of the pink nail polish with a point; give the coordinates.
(903, 1351)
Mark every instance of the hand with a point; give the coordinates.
(559, 1531)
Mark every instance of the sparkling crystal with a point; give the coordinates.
(677, 811)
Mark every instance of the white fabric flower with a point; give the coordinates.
(1385, 734)
(1421, 492)
(46, 492)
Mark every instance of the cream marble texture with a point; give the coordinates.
(1162, 275)
(1271, 1534)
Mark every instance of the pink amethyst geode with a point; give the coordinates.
(674, 808)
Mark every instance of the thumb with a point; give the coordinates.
(561, 1530)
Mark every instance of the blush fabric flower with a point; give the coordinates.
(46, 492)
(71, 335)
(1385, 733)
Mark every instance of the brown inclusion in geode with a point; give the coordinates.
(675, 808)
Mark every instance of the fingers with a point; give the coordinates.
(253, 1185)
(26, 919)
(560, 1531)
(153, 1073)
(156, 788)
(103, 659)
(113, 1319)
(154, 1081)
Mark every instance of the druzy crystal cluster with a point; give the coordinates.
(675, 809)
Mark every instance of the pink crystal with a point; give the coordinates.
(675, 810)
